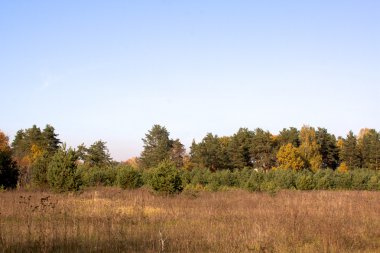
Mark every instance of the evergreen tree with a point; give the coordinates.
(98, 154)
(262, 149)
(238, 149)
(350, 153)
(369, 146)
(157, 147)
(210, 153)
(327, 148)
(62, 171)
(290, 135)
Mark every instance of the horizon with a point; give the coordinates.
(111, 70)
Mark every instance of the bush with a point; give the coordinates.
(304, 180)
(39, 170)
(165, 178)
(255, 181)
(95, 176)
(62, 172)
(324, 180)
(8, 171)
(128, 178)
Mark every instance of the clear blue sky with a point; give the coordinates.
(111, 69)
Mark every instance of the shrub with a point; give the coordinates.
(255, 181)
(128, 178)
(165, 178)
(8, 171)
(95, 176)
(39, 170)
(324, 179)
(62, 171)
(304, 180)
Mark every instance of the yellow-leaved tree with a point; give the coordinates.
(309, 148)
(289, 157)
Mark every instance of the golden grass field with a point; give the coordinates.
(113, 220)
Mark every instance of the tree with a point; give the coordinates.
(210, 153)
(177, 153)
(8, 170)
(28, 145)
(238, 149)
(62, 171)
(261, 149)
(350, 153)
(50, 140)
(328, 149)
(290, 135)
(98, 154)
(157, 146)
(309, 148)
(289, 157)
(369, 146)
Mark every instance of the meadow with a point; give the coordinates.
(108, 219)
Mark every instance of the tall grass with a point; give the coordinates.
(113, 220)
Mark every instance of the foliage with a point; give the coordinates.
(165, 178)
(62, 171)
(97, 176)
(8, 169)
(289, 157)
(159, 147)
(128, 178)
(309, 148)
(210, 153)
(96, 155)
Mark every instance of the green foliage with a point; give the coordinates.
(304, 180)
(238, 149)
(39, 170)
(165, 178)
(350, 153)
(262, 149)
(62, 171)
(159, 147)
(210, 153)
(96, 176)
(128, 178)
(97, 155)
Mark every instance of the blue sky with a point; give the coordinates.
(110, 70)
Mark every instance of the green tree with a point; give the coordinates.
(177, 153)
(369, 146)
(157, 147)
(262, 149)
(210, 153)
(327, 148)
(50, 140)
(166, 178)
(238, 149)
(290, 135)
(98, 154)
(62, 171)
(350, 153)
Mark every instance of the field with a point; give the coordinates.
(113, 220)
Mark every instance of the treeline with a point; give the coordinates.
(257, 160)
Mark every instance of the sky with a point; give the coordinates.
(110, 70)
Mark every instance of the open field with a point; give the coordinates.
(112, 220)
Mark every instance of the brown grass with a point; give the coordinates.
(112, 220)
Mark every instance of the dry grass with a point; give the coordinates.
(112, 220)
